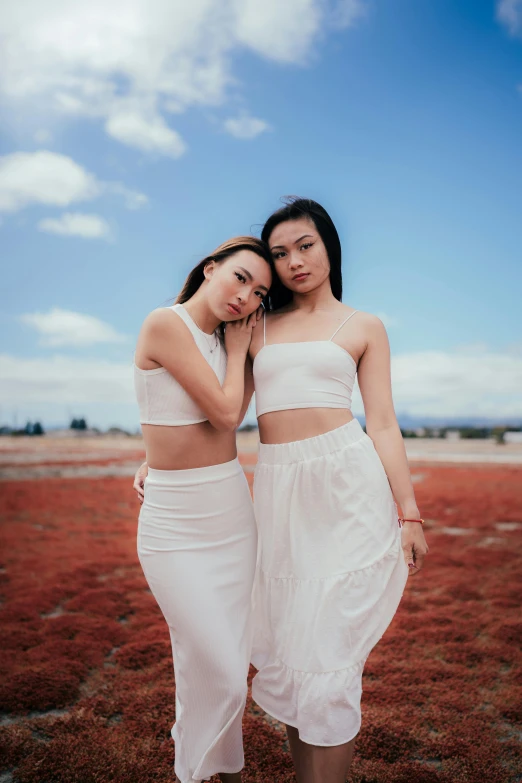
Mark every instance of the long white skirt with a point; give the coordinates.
(330, 575)
(197, 547)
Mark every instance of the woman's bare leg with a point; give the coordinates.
(300, 756)
(315, 764)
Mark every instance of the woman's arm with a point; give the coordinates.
(167, 341)
(249, 390)
(374, 375)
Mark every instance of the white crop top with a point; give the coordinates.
(310, 374)
(161, 399)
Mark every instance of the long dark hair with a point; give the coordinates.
(221, 253)
(294, 209)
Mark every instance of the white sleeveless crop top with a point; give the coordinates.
(161, 399)
(310, 374)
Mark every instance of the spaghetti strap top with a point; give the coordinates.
(308, 374)
(161, 399)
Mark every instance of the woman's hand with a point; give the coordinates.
(238, 334)
(414, 546)
(139, 481)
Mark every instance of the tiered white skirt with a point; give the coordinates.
(197, 547)
(330, 575)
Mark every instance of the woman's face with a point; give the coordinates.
(300, 257)
(237, 285)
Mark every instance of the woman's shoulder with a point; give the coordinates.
(367, 327)
(361, 316)
(163, 321)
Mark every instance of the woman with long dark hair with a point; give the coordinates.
(333, 556)
(196, 532)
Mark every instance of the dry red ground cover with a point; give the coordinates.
(88, 694)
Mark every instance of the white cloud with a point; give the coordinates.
(509, 13)
(245, 127)
(431, 383)
(460, 383)
(71, 381)
(269, 27)
(43, 178)
(77, 224)
(150, 134)
(515, 348)
(51, 179)
(65, 327)
(129, 63)
(55, 389)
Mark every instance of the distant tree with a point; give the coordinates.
(78, 424)
(38, 429)
(475, 432)
(498, 433)
(248, 427)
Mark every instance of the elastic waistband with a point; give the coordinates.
(309, 448)
(195, 475)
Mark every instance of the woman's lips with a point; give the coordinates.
(233, 309)
(300, 277)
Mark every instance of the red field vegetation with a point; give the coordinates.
(87, 692)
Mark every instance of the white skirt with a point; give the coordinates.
(197, 547)
(330, 575)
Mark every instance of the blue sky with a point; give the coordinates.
(136, 139)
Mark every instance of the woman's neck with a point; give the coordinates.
(321, 298)
(198, 309)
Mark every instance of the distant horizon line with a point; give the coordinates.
(405, 421)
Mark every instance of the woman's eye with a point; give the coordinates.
(278, 255)
(308, 244)
(260, 294)
(242, 278)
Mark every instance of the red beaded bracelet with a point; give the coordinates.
(411, 520)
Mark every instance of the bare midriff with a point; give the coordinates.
(188, 446)
(300, 423)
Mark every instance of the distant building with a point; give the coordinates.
(452, 435)
(513, 437)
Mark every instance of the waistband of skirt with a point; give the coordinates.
(310, 448)
(195, 475)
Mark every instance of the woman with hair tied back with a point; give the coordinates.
(333, 557)
(196, 531)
